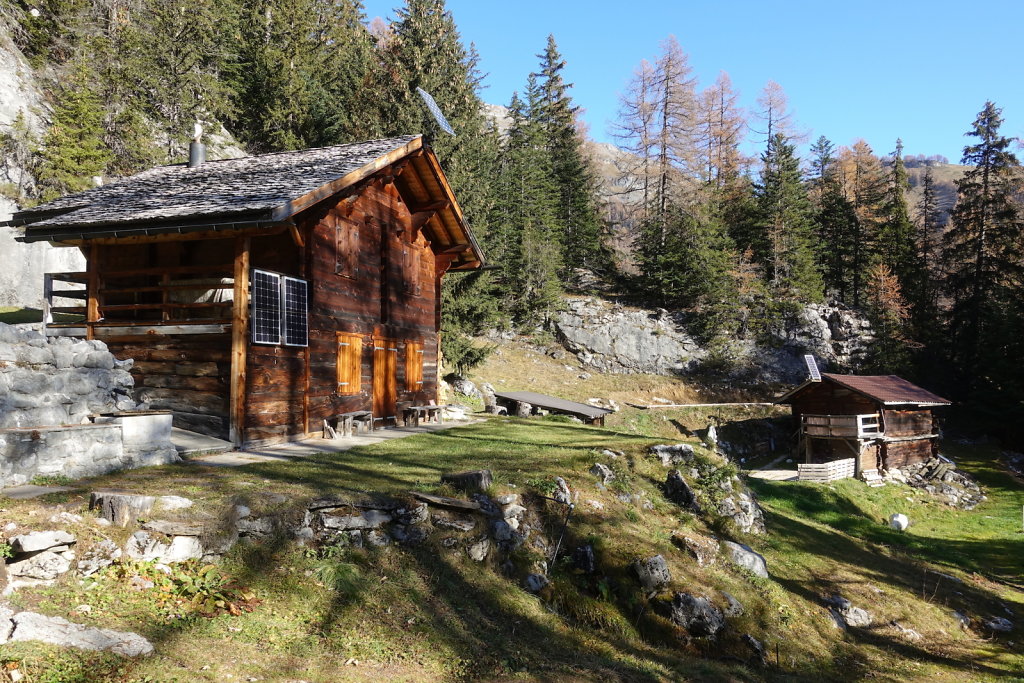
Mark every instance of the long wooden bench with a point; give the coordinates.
(347, 424)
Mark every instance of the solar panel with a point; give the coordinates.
(296, 319)
(812, 368)
(266, 307)
(435, 111)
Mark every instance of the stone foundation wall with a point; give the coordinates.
(49, 390)
(80, 451)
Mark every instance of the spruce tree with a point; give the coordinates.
(896, 241)
(527, 244)
(72, 150)
(983, 253)
(786, 247)
(864, 185)
(570, 171)
(424, 49)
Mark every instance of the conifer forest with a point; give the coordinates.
(690, 222)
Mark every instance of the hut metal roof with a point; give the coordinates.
(884, 389)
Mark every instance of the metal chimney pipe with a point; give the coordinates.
(196, 149)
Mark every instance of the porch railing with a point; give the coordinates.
(842, 426)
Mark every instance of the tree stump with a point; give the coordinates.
(120, 507)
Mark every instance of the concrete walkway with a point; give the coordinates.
(191, 444)
(292, 450)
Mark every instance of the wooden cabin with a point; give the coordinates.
(260, 296)
(883, 421)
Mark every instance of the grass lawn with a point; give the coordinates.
(430, 613)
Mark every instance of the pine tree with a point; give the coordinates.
(577, 207)
(785, 218)
(72, 150)
(983, 251)
(896, 244)
(176, 63)
(302, 74)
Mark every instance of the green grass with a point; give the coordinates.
(430, 613)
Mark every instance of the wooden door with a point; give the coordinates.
(385, 379)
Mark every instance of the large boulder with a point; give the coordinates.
(671, 455)
(746, 557)
(697, 614)
(56, 631)
(741, 506)
(653, 572)
(679, 492)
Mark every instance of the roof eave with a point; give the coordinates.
(83, 233)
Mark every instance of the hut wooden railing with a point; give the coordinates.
(827, 471)
(842, 426)
(141, 297)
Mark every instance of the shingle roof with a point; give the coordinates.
(215, 188)
(888, 389)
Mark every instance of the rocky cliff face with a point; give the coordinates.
(615, 338)
(22, 265)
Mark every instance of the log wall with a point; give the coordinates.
(903, 453)
(187, 374)
(379, 291)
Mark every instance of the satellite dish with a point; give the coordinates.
(435, 111)
(812, 368)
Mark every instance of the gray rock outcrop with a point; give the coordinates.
(613, 338)
(620, 339)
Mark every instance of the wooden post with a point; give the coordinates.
(92, 306)
(239, 341)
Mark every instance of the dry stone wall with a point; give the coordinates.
(60, 381)
(49, 388)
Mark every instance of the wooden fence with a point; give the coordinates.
(827, 471)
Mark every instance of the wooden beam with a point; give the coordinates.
(239, 342)
(177, 236)
(419, 219)
(453, 249)
(432, 207)
(297, 237)
(92, 306)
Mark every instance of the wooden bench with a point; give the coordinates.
(425, 413)
(347, 424)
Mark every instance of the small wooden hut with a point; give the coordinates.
(261, 296)
(882, 421)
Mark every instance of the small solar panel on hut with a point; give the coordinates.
(812, 368)
(435, 111)
(266, 307)
(295, 318)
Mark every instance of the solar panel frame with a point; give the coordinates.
(265, 316)
(812, 368)
(295, 311)
(435, 111)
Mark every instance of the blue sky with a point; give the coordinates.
(912, 69)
